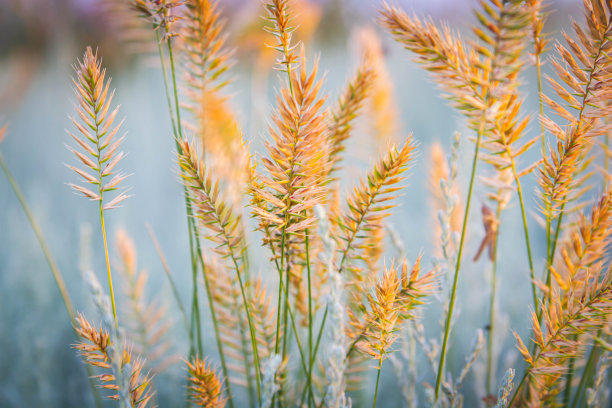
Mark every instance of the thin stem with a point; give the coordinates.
(519, 191)
(57, 276)
(588, 368)
(377, 382)
(458, 265)
(195, 305)
(280, 275)
(162, 60)
(166, 268)
(568, 383)
(175, 90)
(516, 393)
(108, 268)
(251, 329)
(309, 381)
(213, 315)
(490, 375)
(178, 134)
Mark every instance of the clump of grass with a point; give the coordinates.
(323, 286)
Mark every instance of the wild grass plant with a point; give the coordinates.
(334, 301)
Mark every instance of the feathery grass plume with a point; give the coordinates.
(583, 69)
(97, 133)
(222, 224)
(296, 166)
(282, 30)
(161, 14)
(374, 332)
(505, 389)
(96, 350)
(369, 203)
(296, 163)
(481, 83)
(394, 302)
(147, 325)
(270, 387)
(212, 213)
(346, 109)
(381, 107)
(580, 304)
(205, 384)
(204, 43)
(98, 142)
(472, 78)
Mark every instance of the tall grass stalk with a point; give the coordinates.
(451, 306)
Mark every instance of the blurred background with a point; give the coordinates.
(39, 42)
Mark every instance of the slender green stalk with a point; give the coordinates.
(314, 357)
(175, 118)
(251, 328)
(286, 307)
(568, 382)
(175, 90)
(377, 382)
(57, 276)
(309, 380)
(213, 315)
(490, 374)
(108, 269)
(586, 374)
(166, 268)
(196, 321)
(519, 191)
(162, 61)
(516, 392)
(458, 265)
(283, 290)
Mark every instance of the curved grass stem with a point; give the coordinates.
(108, 268)
(458, 265)
(377, 382)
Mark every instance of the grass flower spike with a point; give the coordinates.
(98, 144)
(97, 137)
